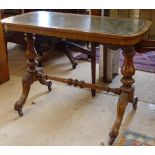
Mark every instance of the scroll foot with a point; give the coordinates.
(18, 108)
(26, 83)
(111, 140)
(121, 106)
(20, 112)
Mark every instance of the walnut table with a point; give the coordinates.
(112, 32)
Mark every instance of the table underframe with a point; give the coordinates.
(125, 92)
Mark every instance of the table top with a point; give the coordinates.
(106, 30)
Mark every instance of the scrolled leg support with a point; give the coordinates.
(26, 84)
(127, 91)
(34, 73)
(121, 106)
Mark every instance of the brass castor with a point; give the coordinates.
(49, 86)
(74, 65)
(135, 103)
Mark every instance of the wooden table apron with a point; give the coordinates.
(112, 32)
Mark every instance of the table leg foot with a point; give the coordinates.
(111, 140)
(74, 65)
(20, 112)
(93, 92)
(18, 107)
(93, 67)
(43, 81)
(121, 106)
(135, 100)
(49, 86)
(26, 84)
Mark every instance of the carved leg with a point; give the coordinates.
(26, 83)
(127, 91)
(121, 106)
(93, 66)
(69, 55)
(34, 73)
